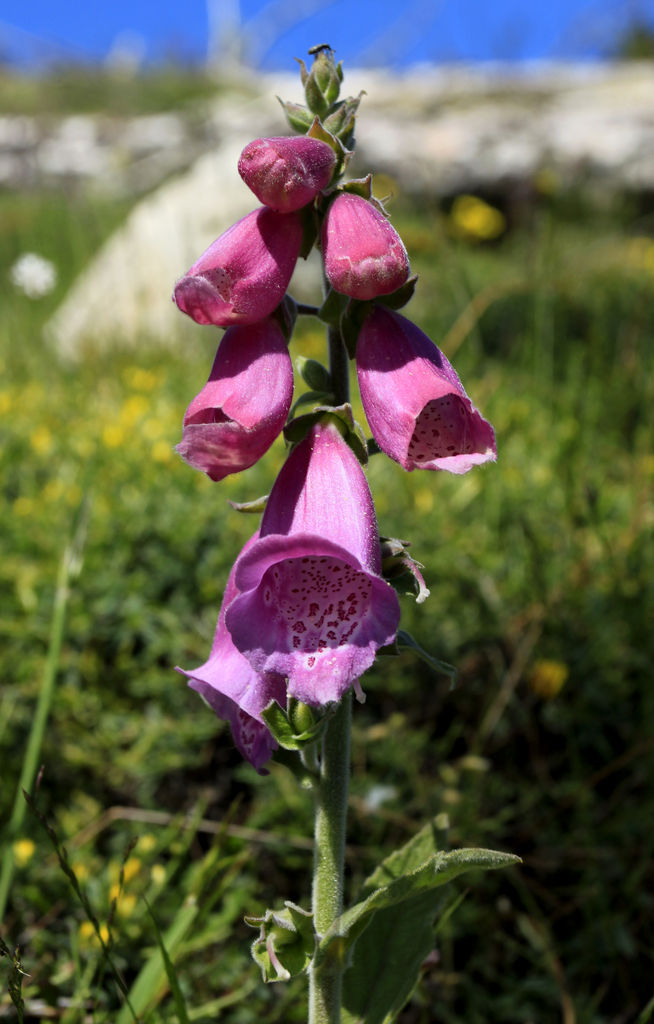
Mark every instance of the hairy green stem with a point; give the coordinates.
(331, 791)
(329, 855)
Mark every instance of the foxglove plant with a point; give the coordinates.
(311, 599)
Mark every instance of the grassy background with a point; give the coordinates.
(541, 572)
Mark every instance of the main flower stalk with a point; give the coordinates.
(331, 794)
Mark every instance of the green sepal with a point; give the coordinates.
(285, 944)
(324, 73)
(316, 102)
(314, 374)
(333, 307)
(322, 398)
(401, 295)
(373, 447)
(401, 899)
(304, 74)
(318, 131)
(255, 507)
(283, 726)
(343, 154)
(363, 187)
(352, 320)
(342, 418)
(405, 642)
(297, 115)
(401, 570)
(341, 121)
(309, 230)
(286, 315)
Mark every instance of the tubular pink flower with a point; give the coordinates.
(415, 404)
(312, 604)
(243, 406)
(244, 275)
(287, 173)
(235, 691)
(363, 254)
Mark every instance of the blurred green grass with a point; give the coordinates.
(540, 569)
(82, 89)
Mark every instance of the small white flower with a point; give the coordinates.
(33, 275)
(379, 795)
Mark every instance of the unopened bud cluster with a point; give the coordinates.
(307, 606)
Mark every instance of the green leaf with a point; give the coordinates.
(150, 981)
(171, 973)
(399, 901)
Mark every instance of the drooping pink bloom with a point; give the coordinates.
(243, 406)
(363, 254)
(287, 173)
(235, 691)
(415, 404)
(312, 604)
(244, 274)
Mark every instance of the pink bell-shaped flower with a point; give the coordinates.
(244, 274)
(235, 691)
(363, 254)
(415, 404)
(243, 406)
(312, 604)
(287, 173)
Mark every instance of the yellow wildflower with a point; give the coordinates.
(41, 440)
(547, 678)
(473, 218)
(23, 851)
(158, 874)
(162, 451)
(113, 435)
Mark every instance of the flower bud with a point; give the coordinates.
(287, 173)
(363, 254)
(243, 406)
(322, 84)
(244, 275)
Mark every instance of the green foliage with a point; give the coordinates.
(389, 932)
(81, 89)
(540, 570)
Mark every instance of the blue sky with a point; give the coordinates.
(374, 32)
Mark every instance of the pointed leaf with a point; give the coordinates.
(405, 642)
(438, 870)
(386, 958)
